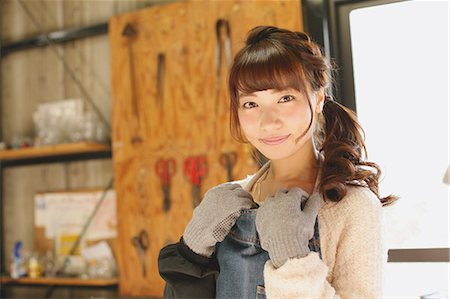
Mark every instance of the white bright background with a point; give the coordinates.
(400, 61)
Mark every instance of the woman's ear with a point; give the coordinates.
(320, 99)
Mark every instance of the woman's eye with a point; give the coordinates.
(286, 99)
(249, 105)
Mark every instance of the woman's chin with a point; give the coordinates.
(274, 154)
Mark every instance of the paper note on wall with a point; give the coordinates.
(59, 210)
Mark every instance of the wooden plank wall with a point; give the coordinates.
(34, 76)
(186, 121)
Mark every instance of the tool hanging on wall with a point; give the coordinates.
(195, 168)
(223, 51)
(141, 242)
(160, 78)
(165, 169)
(130, 34)
(228, 160)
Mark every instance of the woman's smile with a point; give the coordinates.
(275, 140)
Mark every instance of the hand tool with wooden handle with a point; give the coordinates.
(223, 51)
(130, 34)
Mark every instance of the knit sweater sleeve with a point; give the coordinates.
(359, 258)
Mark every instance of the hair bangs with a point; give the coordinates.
(278, 71)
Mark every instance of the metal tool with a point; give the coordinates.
(228, 160)
(130, 33)
(165, 169)
(223, 50)
(160, 78)
(195, 168)
(141, 242)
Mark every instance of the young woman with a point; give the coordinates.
(308, 223)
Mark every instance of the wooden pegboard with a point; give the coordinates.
(179, 116)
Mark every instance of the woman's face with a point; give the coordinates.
(274, 121)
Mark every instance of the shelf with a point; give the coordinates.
(419, 255)
(55, 153)
(60, 281)
(53, 150)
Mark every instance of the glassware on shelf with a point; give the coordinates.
(67, 121)
(34, 266)
(100, 268)
(49, 264)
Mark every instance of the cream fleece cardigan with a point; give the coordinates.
(352, 252)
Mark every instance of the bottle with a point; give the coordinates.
(13, 269)
(49, 264)
(17, 268)
(34, 266)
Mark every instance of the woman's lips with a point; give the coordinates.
(275, 140)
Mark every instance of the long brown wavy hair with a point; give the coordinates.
(275, 58)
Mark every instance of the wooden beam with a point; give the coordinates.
(419, 255)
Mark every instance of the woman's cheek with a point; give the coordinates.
(248, 124)
(299, 115)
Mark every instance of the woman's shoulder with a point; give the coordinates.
(360, 207)
(357, 199)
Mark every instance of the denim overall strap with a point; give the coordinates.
(241, 259)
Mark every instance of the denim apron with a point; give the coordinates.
(241, 259)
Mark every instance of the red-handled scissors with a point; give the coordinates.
(195, 168)
(165, 169)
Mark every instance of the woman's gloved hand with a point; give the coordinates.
(285, 228)
(215, 216)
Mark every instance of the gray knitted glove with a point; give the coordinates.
(285, 228)
(215, 216)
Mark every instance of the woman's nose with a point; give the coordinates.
(270, 120)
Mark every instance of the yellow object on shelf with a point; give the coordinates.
(53, 150)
